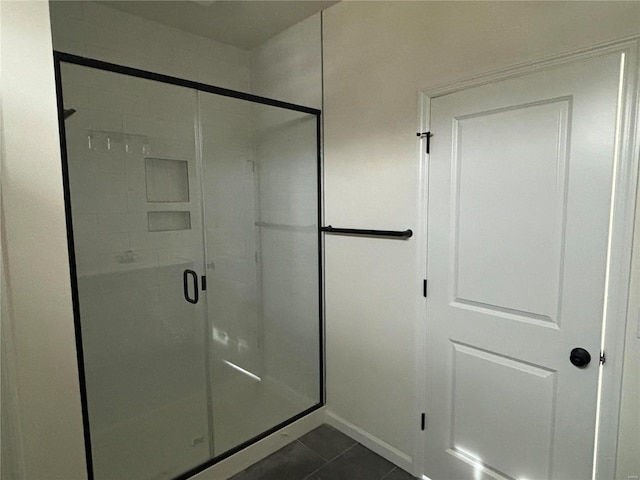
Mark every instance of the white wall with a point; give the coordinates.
(11, 451)
(377, 56)
(288, 66)
(48, 399)
(96, 31)
(628, 461)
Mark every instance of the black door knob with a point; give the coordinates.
(580, 357)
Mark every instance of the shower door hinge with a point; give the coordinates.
(204, 282)
(603, 358)
(426, 135)
(423, 421)
(424, 288)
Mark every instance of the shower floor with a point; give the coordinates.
(244, 407)
(148, 426)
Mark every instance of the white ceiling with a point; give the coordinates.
(243, 23)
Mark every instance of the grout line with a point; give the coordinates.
(335, 456)
(387, 475)
(316, 470)
(310, 449)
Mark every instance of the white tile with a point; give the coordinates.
(68, 10)
(112, 184)
(112, 242)
(85, 228)
(87, 263)
(103, 53)
(192, 238)
(102, 100)
(156, 240)
(205, 47)
(136, 202)
(112, 262)
(74, 75)
(130, 24)
(181, 255)
(104, 121)
(122, 223)
(69, 44)
(98, 14)
(135, 102)
(141, 125)
(185, 64)
(102, 80)
(103, 161)
(160, 35)
(81, 176)
(223, 74)
(135, 181)
(116, 204)
(77, 149)
(134, 162)
(75, 96)
(101, 35)
(64, 25)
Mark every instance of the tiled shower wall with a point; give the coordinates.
(160, 124)
(119, 122)
(149, 119)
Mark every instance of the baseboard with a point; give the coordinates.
(373, 443)
(263, 448)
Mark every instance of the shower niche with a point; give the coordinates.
(193, 217)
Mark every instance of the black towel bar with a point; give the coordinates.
(368, 233)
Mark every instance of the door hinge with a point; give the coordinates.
(423, 421)
(203, 282)
(426, 135)
(424, 288)
(603, 358)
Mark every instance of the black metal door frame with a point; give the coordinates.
(59, 58)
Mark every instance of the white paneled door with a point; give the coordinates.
(520, 188)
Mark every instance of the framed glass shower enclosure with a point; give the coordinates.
(193, 217)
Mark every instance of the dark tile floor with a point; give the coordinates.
(324, 454)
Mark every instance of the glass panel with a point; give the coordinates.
(144, 348)
(167, 184)
(260, 215)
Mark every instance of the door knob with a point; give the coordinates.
(580, 357)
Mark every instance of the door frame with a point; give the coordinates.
(621, 231)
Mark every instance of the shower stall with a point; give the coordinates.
(193, 218)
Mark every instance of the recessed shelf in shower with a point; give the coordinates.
(167, 180)
(166, 221)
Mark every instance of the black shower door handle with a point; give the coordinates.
(185, 286)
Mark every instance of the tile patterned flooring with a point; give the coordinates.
(323, 454)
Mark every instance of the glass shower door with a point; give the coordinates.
(134, 198)
(260, 193)
(193, 226)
